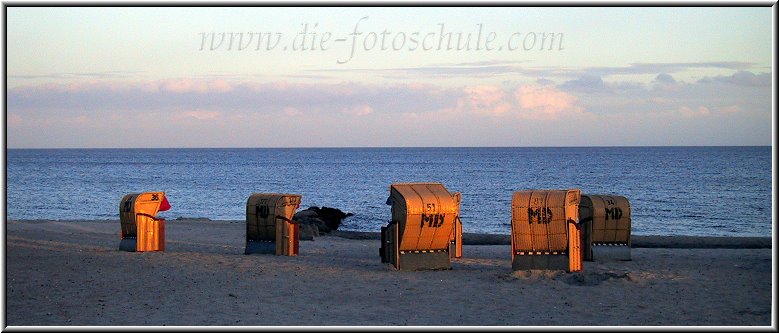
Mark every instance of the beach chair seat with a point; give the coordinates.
(141, 230)
(425, 231)
(545, 233)
(269, 225)
(606, 228)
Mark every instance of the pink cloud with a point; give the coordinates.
(191, 85)
(485, 99)
(484, 95)
(499, 109)
(526, 102)
(687, 112)
(360, 110)
(545, 102)
(290, 111)
(196, 114)
(14, 120)
(731, 109)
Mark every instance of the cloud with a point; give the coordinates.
(665, 78)
(731, 109)
(360, 110)
(673, 67)
(526, 69)
(585, 83)
(484, 99)
(651, 68)
(201, 99)
(291, 111)
(189, 94)
(14, 120)
(687, 112)
(742, 78)
(190, 85)
(545, 102)
(666, 82)
(524, 102)
(196, 114)
(545, 82)
(226, 111)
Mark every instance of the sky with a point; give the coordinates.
(388, 77)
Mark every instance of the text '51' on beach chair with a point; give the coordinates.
(141, 229)
(606, 227)
(425, 231)
(269, 225)
(545, 232)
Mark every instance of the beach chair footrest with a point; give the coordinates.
(545, 261)
(128, 244)
(260, 247)
(415, 261)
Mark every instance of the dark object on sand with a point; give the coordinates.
(315, 221)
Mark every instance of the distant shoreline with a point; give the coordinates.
(637, 241)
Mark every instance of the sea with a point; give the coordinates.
(692, 191)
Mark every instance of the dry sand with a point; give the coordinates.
(68, 273)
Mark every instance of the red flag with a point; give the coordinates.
(165, 205)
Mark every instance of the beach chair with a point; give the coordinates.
(606, 227)
(141, 230)
(545, 233)
(425, 231)
(269, 225)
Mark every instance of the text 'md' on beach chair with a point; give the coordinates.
(269, 225)
(545, 233)
(141, 229)
(425, 231)
(606, 227)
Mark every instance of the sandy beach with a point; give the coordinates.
(71, 273)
